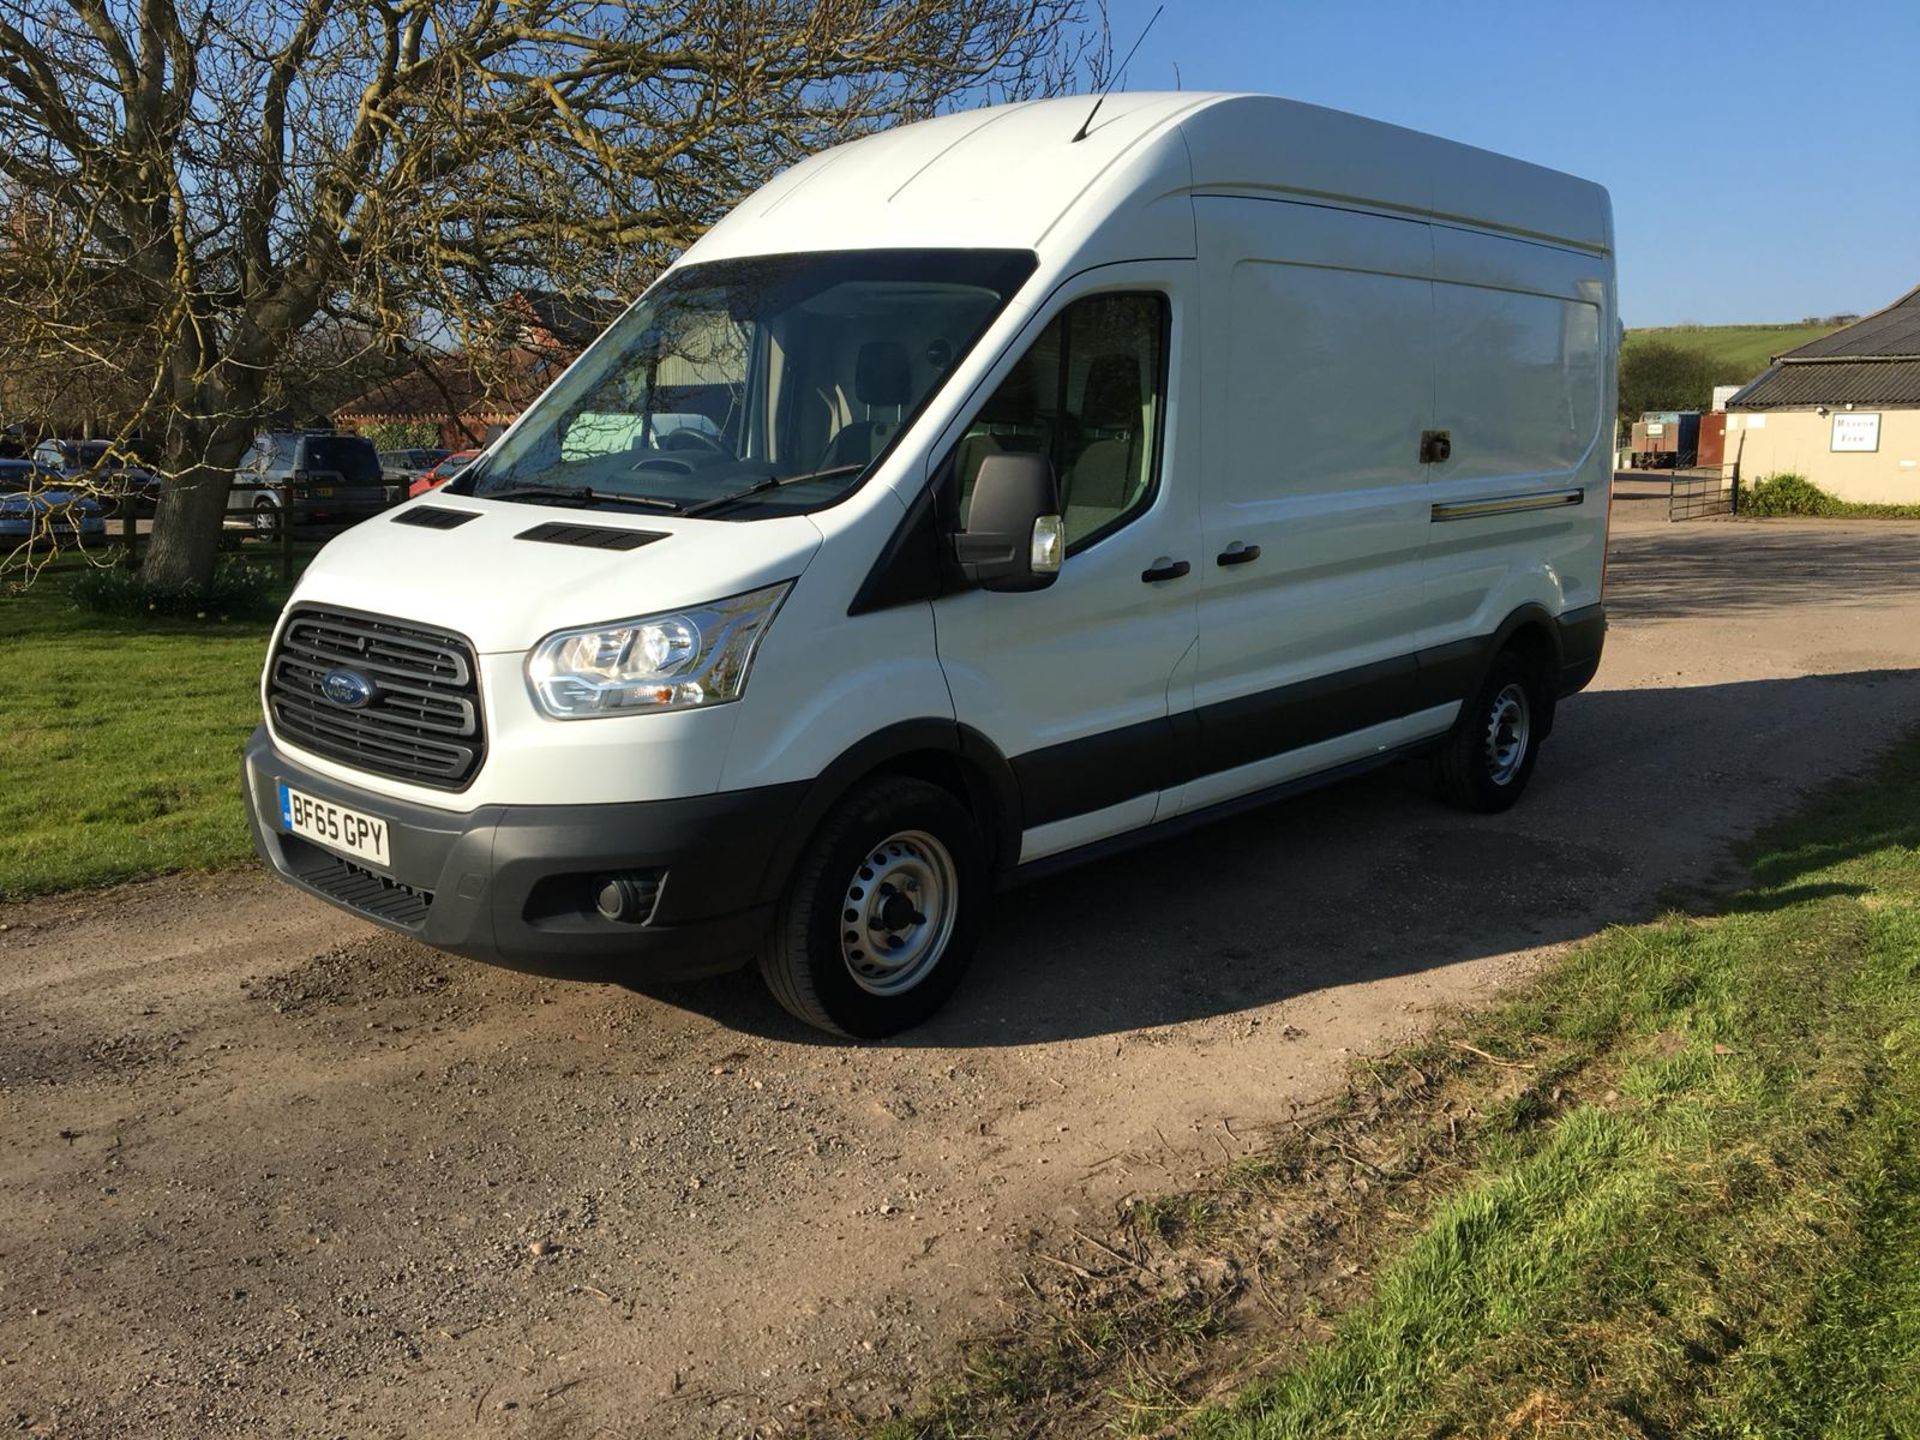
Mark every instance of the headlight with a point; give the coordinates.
(697, 656)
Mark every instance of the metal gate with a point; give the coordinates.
(1694, 494)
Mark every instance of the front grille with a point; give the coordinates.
(422, 724)
(359, 889)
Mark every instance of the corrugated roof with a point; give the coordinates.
(1892, 331)
(1832, 382)
(1874, 361)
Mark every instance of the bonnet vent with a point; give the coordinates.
(591, 537)
(435, 517)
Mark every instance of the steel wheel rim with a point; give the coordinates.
(1509, 728)
(898, 911)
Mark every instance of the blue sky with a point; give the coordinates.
(1764, 157)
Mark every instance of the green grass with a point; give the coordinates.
(1744, 348)
(123, 737)
(1721, 1235)
(1670, 1188)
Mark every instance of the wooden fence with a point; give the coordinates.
(297, 522)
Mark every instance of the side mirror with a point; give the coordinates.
(1015, 538)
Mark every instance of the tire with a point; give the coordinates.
(1487, 758)
(266, 519)
(893, 850)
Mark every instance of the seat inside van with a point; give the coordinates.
(1084, 395)
(1104, 478)
(1009, 423)
(882, 381)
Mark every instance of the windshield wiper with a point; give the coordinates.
(771, 482)
(577, 495)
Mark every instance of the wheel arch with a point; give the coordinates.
(946, 753)
(1532, 631)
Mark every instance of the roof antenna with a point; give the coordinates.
(1119, 70)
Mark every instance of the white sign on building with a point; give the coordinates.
(1853, 431)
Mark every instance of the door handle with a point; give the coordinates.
(1165, 569)
(1238, 554)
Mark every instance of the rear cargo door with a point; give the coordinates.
(343, 460)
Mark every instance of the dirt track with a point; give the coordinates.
(267, 1171)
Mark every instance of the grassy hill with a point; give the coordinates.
(1742, 348)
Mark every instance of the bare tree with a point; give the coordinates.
(189, 186)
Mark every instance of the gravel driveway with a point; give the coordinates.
(267, 1171)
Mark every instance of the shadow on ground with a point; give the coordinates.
(1372, 878)
(1691, 569)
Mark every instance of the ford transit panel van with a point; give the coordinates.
(974, 498)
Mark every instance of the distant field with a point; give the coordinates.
(1746, 348)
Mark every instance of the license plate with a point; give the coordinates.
(338, 827)
(325, 492)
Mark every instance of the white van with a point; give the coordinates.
(973, 499)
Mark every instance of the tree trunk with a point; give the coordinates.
(186, 532)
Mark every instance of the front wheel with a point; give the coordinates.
(882, 913)
(1487, 758)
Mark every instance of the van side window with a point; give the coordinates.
(1088, 394)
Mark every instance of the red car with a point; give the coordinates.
(443, 472)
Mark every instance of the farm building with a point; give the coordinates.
(1843, 410)
(470, 396)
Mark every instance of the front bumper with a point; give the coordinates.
(516, 883)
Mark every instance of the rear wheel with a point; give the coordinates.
(1487, 758)
(882, 913)
(266, 519)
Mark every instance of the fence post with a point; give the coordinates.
(130, 530)
(286, 532)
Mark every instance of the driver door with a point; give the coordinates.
(1079, 684)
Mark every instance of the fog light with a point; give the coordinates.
(627, 899)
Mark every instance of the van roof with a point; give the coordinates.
(1013, 176)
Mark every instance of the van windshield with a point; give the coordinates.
(744, 388)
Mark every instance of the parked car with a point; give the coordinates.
(37, 508)
(448, 467)
(325, 478)
(403, 467)
(1161, 487)
(115, 478)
